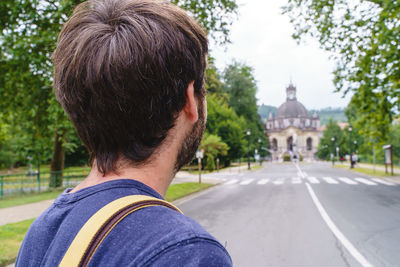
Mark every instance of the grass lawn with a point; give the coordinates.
(29, 198)
(255, 167)
(367, 171)
(176, 191)
(43, 168)
(11, 235)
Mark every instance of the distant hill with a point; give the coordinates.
(264, 111)
(325, 114)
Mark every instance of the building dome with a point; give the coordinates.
(292, 109)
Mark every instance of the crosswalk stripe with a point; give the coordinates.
(296, 180)
(246, 182)
(330, 180)
(234, 181)
(347, 180)
(313, 180)
(263, 181)
(365, 181)
(383, 182)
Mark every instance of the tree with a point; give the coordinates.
(213, 147)
(241, 87)
(363, 36)
(394, 137)
(223, 121)
(28, 35)
(216, 16)
(331, 138)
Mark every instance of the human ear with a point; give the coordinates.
(190, 109)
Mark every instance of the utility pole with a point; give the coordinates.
(199, 156)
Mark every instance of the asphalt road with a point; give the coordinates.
(304, 215)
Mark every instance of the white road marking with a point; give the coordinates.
(364, 181)
(278, 182)
(330, 180)
(383, 182)
(300, 172)
(247, 182)
(263, 181)
(313, 180)
(339, 235)
(232, 182)
(347, 180)
(296, 180)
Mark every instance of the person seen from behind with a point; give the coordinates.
(130, 75)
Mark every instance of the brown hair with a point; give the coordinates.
(121, 70)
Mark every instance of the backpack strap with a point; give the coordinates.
(101, 223)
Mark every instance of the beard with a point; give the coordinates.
(192, 141)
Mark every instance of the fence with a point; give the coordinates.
(18, 184)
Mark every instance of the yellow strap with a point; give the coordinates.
(82, 240)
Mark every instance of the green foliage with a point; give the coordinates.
(286, 157)
(210, 164)
(394, 137)
(241, 87)
(213, 146)
(215, 16)
(327, 146)
(222, 121)
(363, 36)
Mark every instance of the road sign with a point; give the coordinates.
(199, 154)
(388, 157)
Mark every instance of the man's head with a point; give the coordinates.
(121, 72)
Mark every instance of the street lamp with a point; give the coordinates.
(260, 143)
(333, 150)
(248, 133)
(350, 146)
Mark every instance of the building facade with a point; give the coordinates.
(293, 130)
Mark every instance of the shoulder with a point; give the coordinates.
(195, 251)
(185, 243)
(161, 236)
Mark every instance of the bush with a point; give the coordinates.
(210, 163)
(286, 157)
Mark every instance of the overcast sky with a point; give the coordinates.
(261, 37)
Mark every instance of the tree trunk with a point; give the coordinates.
(57, 162)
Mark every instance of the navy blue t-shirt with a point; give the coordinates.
(153, 236)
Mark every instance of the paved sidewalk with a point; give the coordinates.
(23, 212)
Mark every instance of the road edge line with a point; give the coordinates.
(335, 230)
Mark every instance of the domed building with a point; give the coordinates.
(293, 130)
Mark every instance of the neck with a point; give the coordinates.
(158, 174)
